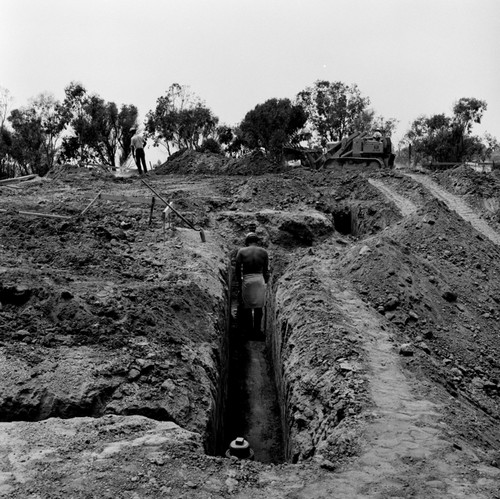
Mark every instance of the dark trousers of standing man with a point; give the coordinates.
(140, 157)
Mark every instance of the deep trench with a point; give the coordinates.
(343, 221)
(246, 402)
(250, 399)
(252, 410)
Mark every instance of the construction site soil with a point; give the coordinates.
(119, 336)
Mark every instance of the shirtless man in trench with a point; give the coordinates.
(252, 274)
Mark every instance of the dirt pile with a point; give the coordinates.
(436, 280)
(192, 162)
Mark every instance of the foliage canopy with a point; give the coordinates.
(180, 119)
(271, 125)
(442, 138)
(98, 130)
(335, 110)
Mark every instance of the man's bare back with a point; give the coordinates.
(252, 260)
(252, 274)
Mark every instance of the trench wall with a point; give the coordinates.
(361, 219)
(218, 374)
(163, 353)
(316, 364)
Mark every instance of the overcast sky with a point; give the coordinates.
(410, 57)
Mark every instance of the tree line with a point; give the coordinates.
(85, 129)
(441, 138)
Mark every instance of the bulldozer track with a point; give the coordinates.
(405, 206)
(453, 202)
(459, 206)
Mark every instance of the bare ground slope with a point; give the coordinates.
(382, 320)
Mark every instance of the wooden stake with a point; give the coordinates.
(152, 207)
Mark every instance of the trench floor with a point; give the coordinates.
(252, 408)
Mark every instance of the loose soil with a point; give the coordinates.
(116, 334)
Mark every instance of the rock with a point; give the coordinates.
(390, 316)
(159, 461)
(168, 385)
(478, 382)
(324, 463)
(489, 385)
(231, 484)
(345, 366)
(103, 232)
(406, 350)
(20, 335)
(365, 250)
(423, 346)
(66, 295)
(391, 303)
(133, 373)
(118, 233)
(412, 316)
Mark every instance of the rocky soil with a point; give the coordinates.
(381, 325)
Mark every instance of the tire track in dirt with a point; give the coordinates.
(406, 452)
(405, 206)
(460, 207)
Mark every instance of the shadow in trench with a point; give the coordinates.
(343, 221)
(252, 409)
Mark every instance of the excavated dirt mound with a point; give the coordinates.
(115, 335)
(192, 162)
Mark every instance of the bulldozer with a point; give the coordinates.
(360, 148)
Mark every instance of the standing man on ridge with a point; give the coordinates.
(252, 274)
(137, 145)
